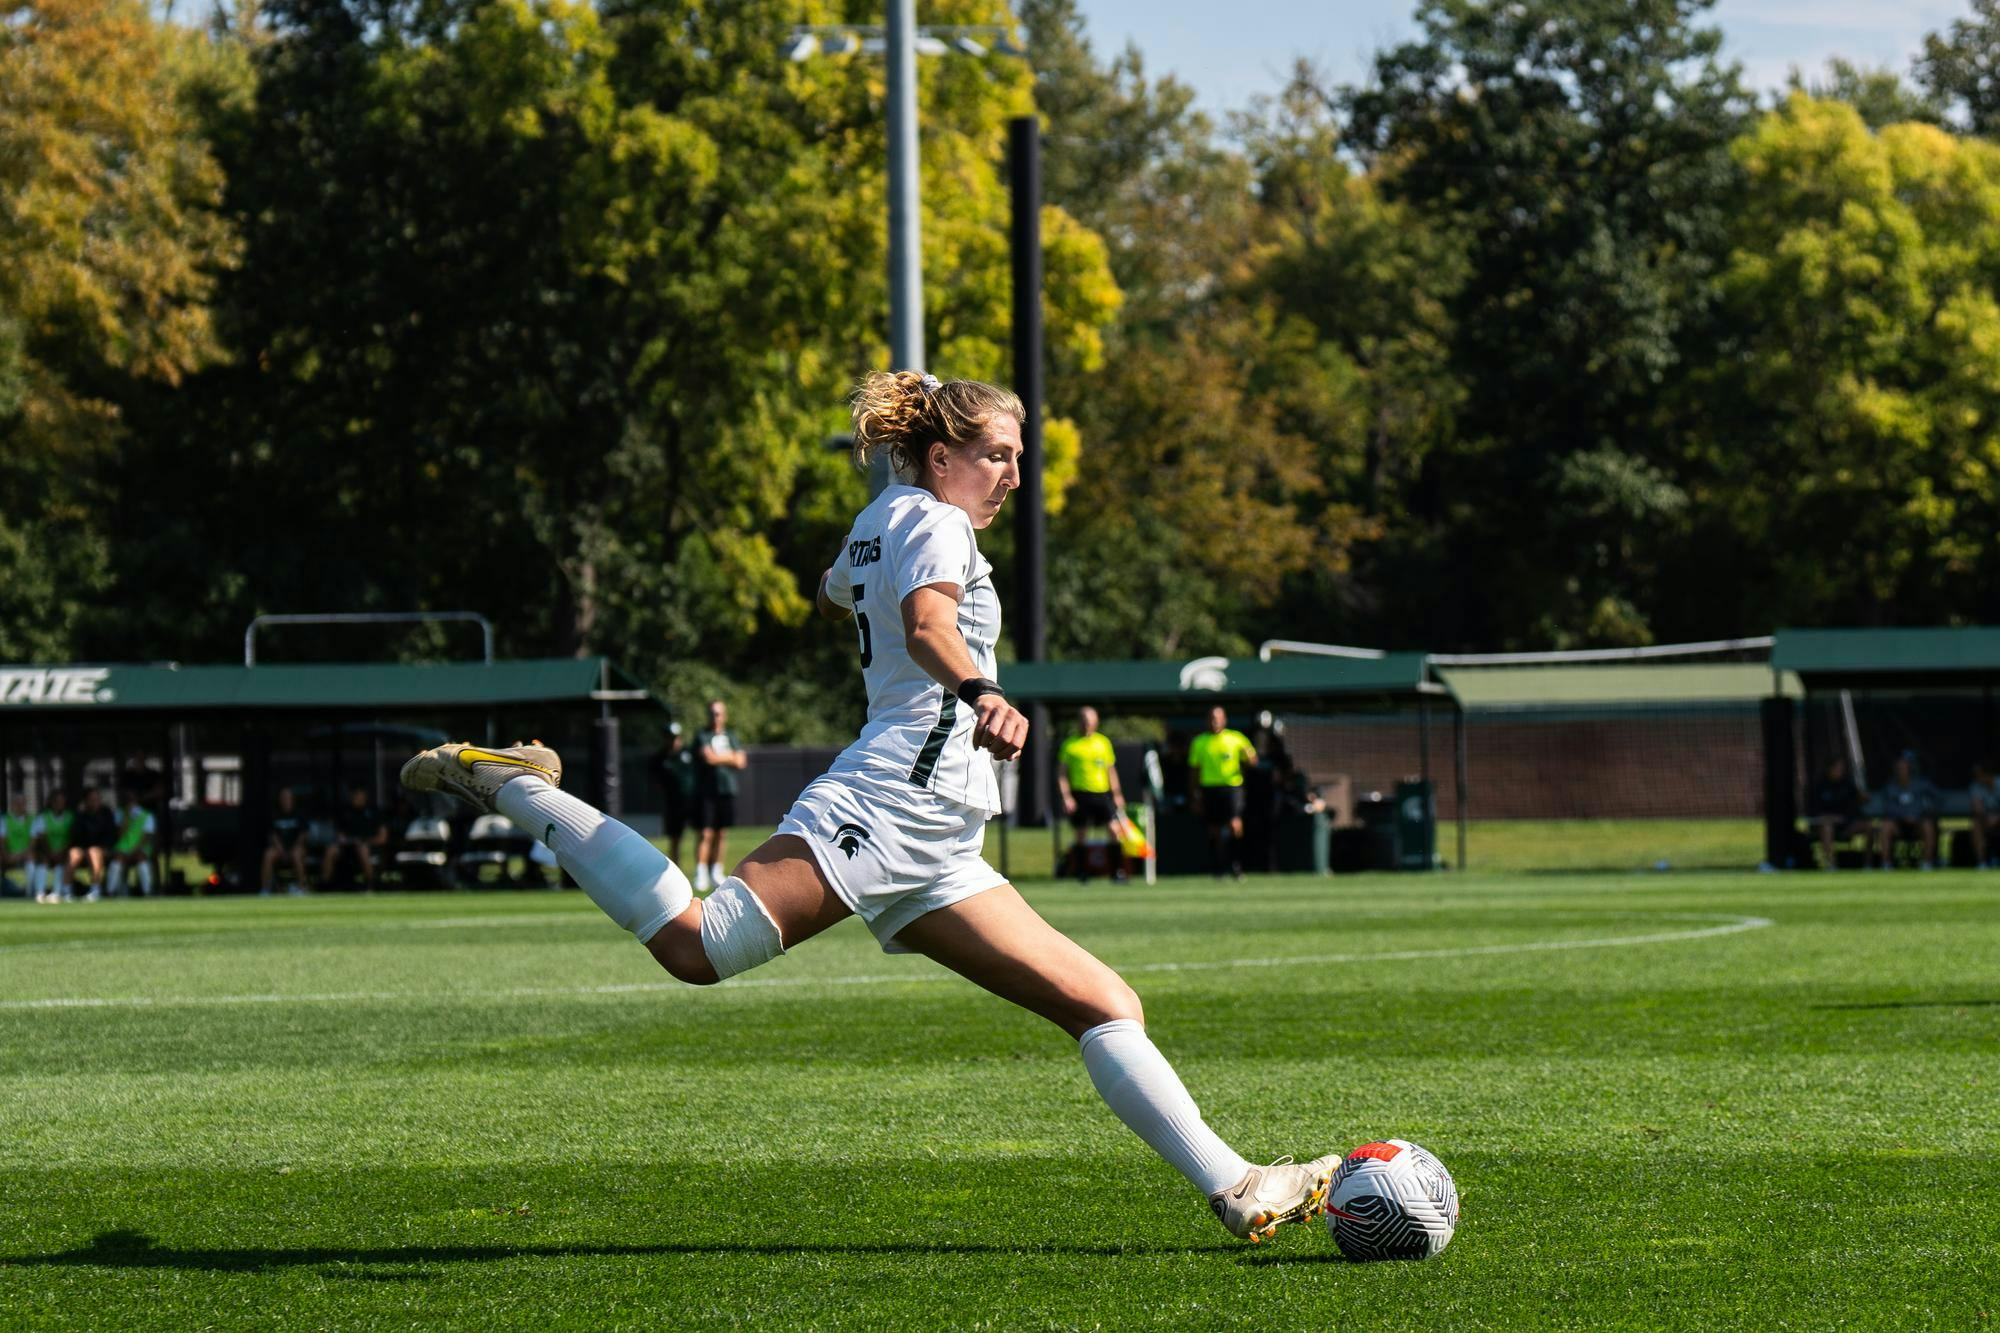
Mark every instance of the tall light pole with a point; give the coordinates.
(906, 254)
(901, 42)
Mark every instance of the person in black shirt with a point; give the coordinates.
(1835, 809)
(362, 829)
(673, 769)
(718, 758)
(1909, 811)
(287, 843)
(96, 829)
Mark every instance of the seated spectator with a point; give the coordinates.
(1834, 809)
(91, 841)
(53, 830)
(1909, 810)
(132, 854)
(286, 845)
(1985, 813)
(17, 845)
(361, 830)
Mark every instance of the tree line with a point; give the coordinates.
(1548, 332)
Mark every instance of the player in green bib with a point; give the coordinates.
(1216, 758)
(52, 831)
(133, 852)
(17, 844)
(1088, 779)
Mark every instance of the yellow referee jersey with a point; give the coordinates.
(1088, 760)
(1220, 755)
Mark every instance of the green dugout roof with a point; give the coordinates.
(1636, 685)
(76, 691)
(1888, 657)
(1214, 679)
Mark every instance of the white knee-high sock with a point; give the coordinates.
(146, 878)
(624, 874)
(114, 879)
(1142, 1089)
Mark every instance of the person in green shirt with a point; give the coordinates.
(1088, 780)
(133, 852)
(52, 829)
(17, 843)
(1216, 759)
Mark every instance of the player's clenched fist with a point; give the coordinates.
(1001, 728)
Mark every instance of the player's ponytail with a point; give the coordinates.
(904, 412)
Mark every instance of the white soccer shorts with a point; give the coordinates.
(891, 850)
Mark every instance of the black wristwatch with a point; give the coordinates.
(971, 688)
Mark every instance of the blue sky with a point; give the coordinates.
(1231, 50)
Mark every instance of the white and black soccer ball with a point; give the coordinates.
(1391, 1200)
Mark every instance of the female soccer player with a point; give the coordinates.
(893, 832)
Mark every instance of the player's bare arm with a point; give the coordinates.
(930, 626)
(828, 608)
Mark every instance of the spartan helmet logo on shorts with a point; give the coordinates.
(849, 837)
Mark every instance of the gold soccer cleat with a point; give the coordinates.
(475, 775)
(1269, 1196)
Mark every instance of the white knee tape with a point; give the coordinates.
(736, 932)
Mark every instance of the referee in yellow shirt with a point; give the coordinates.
(1216, 757)
(1088, 778)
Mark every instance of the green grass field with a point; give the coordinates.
(491, 1110)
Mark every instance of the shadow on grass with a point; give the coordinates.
(132, 1249)
(1913, 1004)
(1268, 1259)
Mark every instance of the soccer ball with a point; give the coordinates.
(1391, 1200)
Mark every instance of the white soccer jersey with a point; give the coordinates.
(917, 728)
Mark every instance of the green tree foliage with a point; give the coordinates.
(1579, 153)
(547, 311)
(1203, 495)
(1879, 95)
(1848, 469)
(1543, 336)
(1357, 290)
(109, 242)
(1960, 68)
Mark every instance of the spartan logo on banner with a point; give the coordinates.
(54, 685)
(1206, 673)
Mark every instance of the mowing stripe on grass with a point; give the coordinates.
(1728, 925)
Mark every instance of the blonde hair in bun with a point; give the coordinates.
(905, 411)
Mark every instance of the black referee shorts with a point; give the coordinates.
(1093, 809)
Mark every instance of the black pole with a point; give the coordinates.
(1031, 640)
(606, 756)
(1458, 765)
(1780, 784)
(253, 812)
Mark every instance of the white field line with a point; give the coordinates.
(1728, 925)
(539, 920)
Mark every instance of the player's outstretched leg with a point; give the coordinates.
(777, 893)
(624, 874)
(998, 941)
